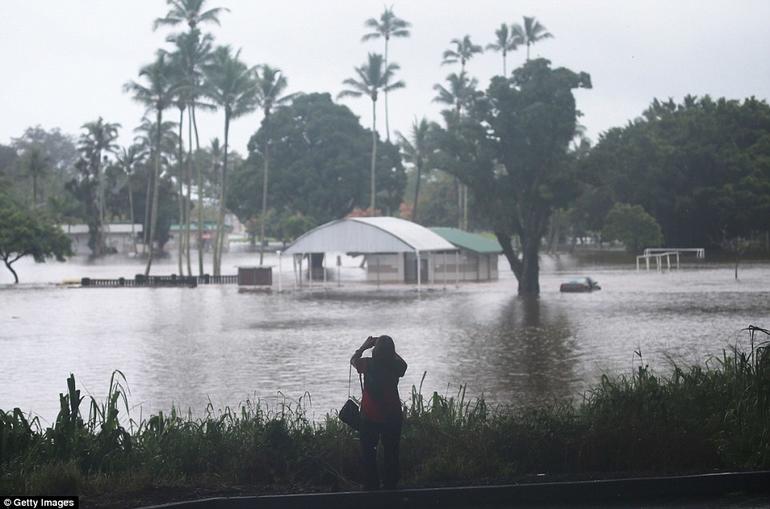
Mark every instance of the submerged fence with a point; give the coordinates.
(154, 281)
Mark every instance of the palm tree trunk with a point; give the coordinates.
(222, 196)
(374, 156)
(200, 195)
(465, 207)
(387, 123)
(527, 51)
(147, 205)
(156, 177)
(505, 71)
(188, 178)
(131, 213)
(416, 191)
(180, 235)
(264, 188)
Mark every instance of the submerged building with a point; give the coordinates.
(400, 251)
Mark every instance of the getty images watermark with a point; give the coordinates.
(36, 502)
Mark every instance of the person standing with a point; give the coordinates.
(381, 414)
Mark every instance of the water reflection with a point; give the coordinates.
(186, 346)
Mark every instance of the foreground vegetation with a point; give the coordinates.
(694, 419)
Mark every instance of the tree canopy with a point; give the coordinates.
(512, 151)
(320, 166)
(701, 168)
(24, 232)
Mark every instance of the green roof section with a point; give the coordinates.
(469, 241)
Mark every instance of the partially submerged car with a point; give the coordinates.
(580, 284)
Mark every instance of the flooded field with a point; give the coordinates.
(186, 347)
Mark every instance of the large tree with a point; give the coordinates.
(373, 76)
(316, 170)
(157, 95)
(386, 27)
(512, 151)
(25, 232)
(233, 87)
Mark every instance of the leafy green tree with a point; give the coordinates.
(464, 50)
(317, 167)
(27, 233)
(699, 167)
(633, 226)
(271, 85)
(233, 87)
(156, 95)
(373, 77)
(512, 151)
(58, 148)
(531, 32)
(388, 26)
(505, 40)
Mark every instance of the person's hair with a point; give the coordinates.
(384, 349)
(379, 374)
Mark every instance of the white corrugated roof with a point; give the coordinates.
(108, 228)
(369, 235)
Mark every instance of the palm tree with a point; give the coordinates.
(36, 163)
(193, 50)
(197, 50)
(460, 94)
(233, 87)
(146, 132)
(270, 86)
(190, 12)
(98, 138)
(389, 25)
(506, 41)
(531, 32)
(464, 51)
(156, 95)
(128, 159)
(416, 150)
(373, 77)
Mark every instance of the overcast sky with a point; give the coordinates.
(65, 62)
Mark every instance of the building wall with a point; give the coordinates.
(441, 268)
(389, 266)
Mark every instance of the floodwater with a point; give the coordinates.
(188, 347)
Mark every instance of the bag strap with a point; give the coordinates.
(360, 380)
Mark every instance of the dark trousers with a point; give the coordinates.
(371, 434)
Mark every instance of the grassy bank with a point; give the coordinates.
(690, 420)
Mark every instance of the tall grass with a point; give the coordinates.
(698, 418)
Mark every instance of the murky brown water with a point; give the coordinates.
(188, 346)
